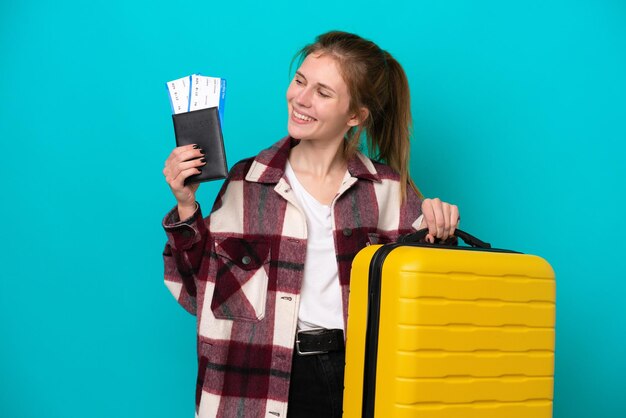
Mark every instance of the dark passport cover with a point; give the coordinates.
(203, 127)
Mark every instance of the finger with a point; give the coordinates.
(186, 155)
(178, 183)
(446, 219)
(174, 167)
(198, 162)
(454, 218)
(439, 219)
(171, 171)
(187, 147)
(429, 216)
(178, 150)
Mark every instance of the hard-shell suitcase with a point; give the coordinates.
(449, 332)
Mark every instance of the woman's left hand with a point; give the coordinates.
(440, 218)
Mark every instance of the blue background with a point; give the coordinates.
(519, 111)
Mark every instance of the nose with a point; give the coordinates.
(303, 98)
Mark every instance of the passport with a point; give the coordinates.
(202, 127)
(197, 104)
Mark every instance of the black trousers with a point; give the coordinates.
(316, 388)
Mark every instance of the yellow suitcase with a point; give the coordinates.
(449, 332)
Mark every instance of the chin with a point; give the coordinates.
(296, 133)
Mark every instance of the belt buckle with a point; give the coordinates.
(307, 353)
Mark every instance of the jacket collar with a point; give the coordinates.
(269, 165)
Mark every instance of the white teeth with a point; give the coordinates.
(302, 117)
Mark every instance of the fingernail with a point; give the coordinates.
(202, 152)
(195, 146)
(203, 160)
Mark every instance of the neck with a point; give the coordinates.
(318, 158)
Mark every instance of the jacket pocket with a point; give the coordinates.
(241, 280)
(374, 238)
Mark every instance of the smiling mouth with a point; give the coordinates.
(302, 117)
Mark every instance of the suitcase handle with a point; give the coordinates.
(420, 235)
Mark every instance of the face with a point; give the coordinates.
(318, 101)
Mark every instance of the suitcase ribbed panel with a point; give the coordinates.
(478, 410)
(462, 334)
(471, 338)
(476, 363)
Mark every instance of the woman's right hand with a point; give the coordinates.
(184, 162)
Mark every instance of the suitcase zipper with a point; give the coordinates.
(371, 333)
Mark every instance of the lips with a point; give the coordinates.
(301, 117)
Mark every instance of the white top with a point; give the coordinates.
(320, 296)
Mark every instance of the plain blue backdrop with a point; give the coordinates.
(519, 112)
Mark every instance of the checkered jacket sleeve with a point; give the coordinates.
(182, 255)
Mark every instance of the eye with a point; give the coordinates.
(298, 81)
(321, 93)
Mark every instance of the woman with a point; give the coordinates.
(268, 272)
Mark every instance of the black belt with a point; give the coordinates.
(319, 341)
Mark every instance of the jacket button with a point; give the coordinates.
(347, 232)
(246, 260)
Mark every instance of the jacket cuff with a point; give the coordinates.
(418, 222)
(182, 235)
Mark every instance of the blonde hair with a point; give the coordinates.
(377, 82)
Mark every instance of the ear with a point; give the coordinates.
(359, 118)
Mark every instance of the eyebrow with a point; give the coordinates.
(319, 84)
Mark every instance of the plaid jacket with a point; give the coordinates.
(240, 271)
